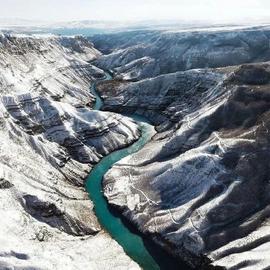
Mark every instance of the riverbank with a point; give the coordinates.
(142, 250)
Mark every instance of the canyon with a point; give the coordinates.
(50, 141)
(199, 188)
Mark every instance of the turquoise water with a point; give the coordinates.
(131, 243)
(147, 255)
(99, 103)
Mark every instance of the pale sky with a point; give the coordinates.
(63, 10)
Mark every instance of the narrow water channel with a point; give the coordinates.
(147, 255)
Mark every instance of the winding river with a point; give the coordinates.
(135, 246)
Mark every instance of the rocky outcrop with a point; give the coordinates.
(200, 188)
(166, 99)
(86, 135)
(49, 142)
(142, 67)
(172, 51)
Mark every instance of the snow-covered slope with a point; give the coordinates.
(50, 66)
(49, 142)
(200, 188)
(172, 51)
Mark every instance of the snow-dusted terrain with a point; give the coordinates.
(144, 54)
(201, 187)
(50, 140)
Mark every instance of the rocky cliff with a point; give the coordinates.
(200, 188)
(50, 140)
(144, 54)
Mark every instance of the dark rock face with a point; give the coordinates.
(252, 74)
(4, 184)
(201, 186)
(49, 213)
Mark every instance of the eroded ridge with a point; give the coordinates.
(50, 140)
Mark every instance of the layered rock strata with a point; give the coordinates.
(137, 55)
(50, 141)
(200, 188)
